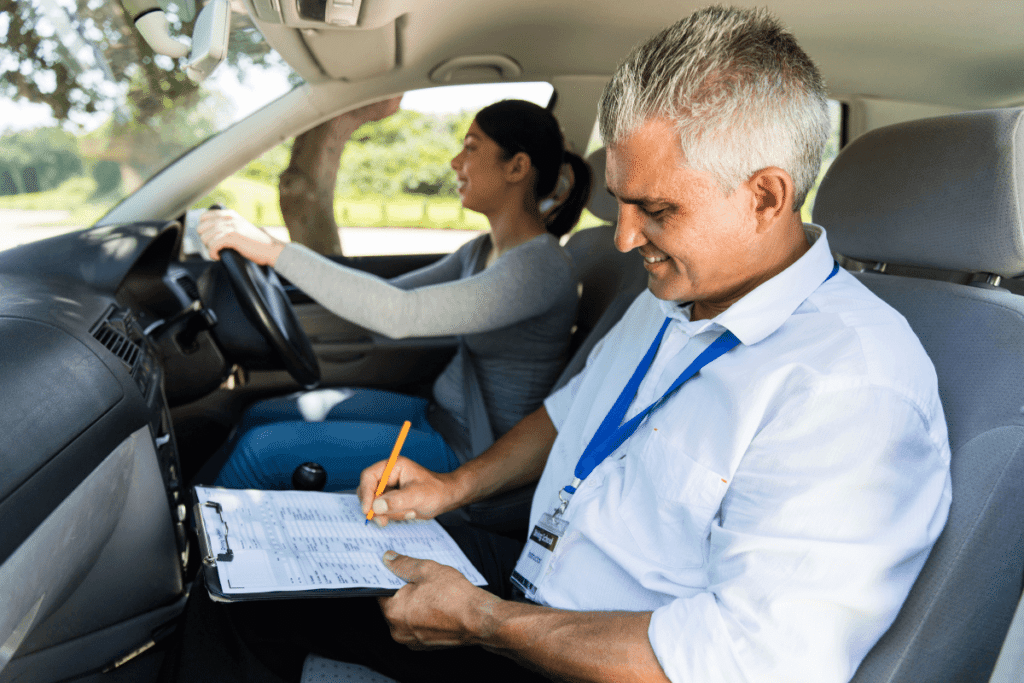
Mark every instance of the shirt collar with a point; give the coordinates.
(765, 308)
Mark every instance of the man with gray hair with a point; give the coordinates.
(748, 475)
(762, 520)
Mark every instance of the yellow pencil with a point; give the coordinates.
(391, 464)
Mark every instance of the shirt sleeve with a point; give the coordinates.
(445, 269)
(523, 283)
(823, 530)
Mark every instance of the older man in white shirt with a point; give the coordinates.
(767, 517)
(748, 475)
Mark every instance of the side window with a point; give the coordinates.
(836, 139)
(395, 190)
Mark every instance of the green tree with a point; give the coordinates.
(42, 49)
(153, 105)
(38, 160)
(84, 58)
(408, 152)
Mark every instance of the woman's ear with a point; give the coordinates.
(773, 190)
(518, 167)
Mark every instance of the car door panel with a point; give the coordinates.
(352, 355)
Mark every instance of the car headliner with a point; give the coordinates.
(949, 52)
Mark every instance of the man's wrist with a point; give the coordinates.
(494, 627)
(460, 486)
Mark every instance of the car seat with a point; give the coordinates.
(932, 212)
(609, 281)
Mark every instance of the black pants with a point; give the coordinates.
(267, 640)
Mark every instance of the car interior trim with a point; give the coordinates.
(46, 568)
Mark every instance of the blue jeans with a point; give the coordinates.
(359, 431)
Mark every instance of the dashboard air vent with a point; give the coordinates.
(113, 334)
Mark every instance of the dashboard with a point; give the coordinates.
(93, 543)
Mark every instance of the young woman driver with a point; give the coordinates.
(509, 295)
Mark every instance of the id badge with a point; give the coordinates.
(536, 554)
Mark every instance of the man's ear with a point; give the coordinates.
(518, 167)
(774, 191)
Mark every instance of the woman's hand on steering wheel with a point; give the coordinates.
(249, 250)
(225, 229)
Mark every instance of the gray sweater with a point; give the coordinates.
(515, 318)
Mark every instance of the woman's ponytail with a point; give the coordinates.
(565, 215)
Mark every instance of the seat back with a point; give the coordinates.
(609, 279)
(945, 194)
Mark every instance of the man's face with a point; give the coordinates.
(698, 243)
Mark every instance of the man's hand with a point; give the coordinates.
(225, 229)
(438, 607)
(413, 492)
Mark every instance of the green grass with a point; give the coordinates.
(258, 202)
(254, 200)
(73, 196)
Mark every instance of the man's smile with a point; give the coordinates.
(652, 257)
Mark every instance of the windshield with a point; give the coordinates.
(88, 112)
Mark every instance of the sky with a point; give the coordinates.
(455, 98)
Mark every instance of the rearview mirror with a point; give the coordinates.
(209, 40)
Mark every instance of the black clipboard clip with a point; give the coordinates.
(211, 559)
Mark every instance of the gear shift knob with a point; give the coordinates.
(309, 476)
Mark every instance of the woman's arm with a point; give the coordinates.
(524, 283)
(445, 269)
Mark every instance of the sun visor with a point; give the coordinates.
(346, 40)
(354, 54)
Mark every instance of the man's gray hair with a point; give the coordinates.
(742, 94)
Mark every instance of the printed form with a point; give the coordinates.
(307, 540)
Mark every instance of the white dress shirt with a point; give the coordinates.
(775, 511)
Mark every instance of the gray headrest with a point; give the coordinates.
(602, 204)
(945, 192)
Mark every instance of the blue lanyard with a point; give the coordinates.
(610, 434)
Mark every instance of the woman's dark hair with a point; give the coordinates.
(521, 126)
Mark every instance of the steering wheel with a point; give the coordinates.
(267, 307)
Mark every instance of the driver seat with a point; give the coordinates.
(609, 282)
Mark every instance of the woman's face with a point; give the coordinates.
(481, 172)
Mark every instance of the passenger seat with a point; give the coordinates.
(945, 197)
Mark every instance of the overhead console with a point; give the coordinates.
(308, 13)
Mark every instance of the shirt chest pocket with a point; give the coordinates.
(669, 502)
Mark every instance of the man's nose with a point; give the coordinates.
(455, 161)
(629, 233)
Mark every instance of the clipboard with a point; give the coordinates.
(211, 577)
(219, 548)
